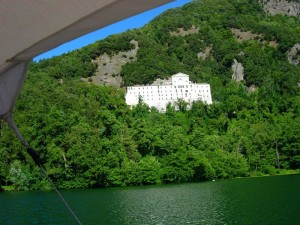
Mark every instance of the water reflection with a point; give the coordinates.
(270, 200)
(163, 205)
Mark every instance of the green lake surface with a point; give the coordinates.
(258, 201)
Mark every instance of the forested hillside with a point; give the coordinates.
(88, 137)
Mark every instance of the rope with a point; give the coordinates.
(61, 197)
(36, 158)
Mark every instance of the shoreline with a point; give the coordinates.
(279, 172)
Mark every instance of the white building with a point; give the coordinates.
(161, 92)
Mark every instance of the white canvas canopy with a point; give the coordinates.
(31, 27)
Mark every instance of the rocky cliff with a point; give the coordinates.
(109, 67)
(273, 7)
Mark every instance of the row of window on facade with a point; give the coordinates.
(151, 92)
(161, 95)
(166, 87)
(173, 97)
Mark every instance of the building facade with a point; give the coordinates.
(161, 92)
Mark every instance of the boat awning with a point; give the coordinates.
(30, 27)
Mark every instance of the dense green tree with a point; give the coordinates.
(88, 137)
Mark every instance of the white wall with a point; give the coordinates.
(160, 95)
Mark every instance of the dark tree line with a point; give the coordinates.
(88, 136)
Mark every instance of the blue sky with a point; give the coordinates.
(119, 27)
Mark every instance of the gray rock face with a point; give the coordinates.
(294, 54)
(238, 71)
(203, 55)
(244, 35)
(273, 7)
(109, 67)
(159, 81)
(251, 89)
(182, 32)
(248, 35)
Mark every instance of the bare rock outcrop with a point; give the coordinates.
(248, 35)
(238, 71)
(294, 54)
(251, 89)
(273, 7)
(204, 54)
(159, 81)
(109, 67)
(244, 35)
(183, 32)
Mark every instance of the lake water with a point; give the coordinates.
(255, 201)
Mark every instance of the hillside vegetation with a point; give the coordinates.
(88, 137)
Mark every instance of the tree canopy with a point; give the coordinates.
(88, 136)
